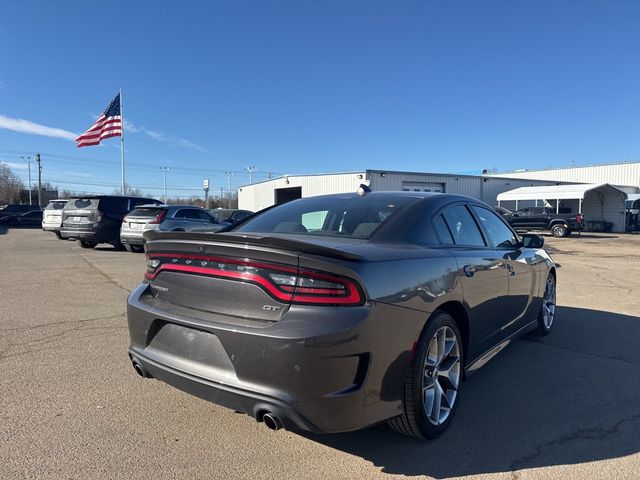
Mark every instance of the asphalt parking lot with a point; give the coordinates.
(71, 406)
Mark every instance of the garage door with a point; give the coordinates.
(422, 187)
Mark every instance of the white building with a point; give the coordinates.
(624, 174)
(279, 190)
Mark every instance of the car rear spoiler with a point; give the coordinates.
(258, 240)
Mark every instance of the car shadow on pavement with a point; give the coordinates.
(568, 398)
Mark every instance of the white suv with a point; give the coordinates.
(52, 216)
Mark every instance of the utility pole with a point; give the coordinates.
(39, 180)
(251, 170)
(164, 172)
(229, 175)
(28, 160)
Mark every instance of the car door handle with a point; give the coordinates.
(469, 270)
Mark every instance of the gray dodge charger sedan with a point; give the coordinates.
(337, 312)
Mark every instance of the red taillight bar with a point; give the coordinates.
(348, 294)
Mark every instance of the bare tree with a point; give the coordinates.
(10, 185)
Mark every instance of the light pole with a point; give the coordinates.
(251, 170)
(28, 160)
(39, 180)
(164, 174)
(229, 175)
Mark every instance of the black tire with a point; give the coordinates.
(559, 230)
(544, 326)
(128, 248)
(86, 244)
(137, 248)
(13, 222)
(414, 422)
(118, 245)
(58, 235)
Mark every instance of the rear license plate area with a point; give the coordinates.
(189, 350)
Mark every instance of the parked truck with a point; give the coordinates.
(543, 218)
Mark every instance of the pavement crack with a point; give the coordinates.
(597, 432)
(589, 354)
(16, 341)
(103, 273)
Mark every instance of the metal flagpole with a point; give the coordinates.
(122, 185)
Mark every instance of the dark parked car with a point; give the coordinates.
(97, 219)
(355, 309)
(16, 209)
(29, 219)
(543, 218)
(230, 215)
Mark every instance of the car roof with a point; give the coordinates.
(82, 197)
(162, 205)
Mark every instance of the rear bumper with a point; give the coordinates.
(229, 396)
(130, 238)
(321, 369)
(77, 233)
(50, 227)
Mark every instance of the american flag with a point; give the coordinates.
(108, 125)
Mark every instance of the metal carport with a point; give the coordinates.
(597, 202)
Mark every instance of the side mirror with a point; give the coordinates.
(531, 240)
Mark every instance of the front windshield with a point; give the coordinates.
(340, 216)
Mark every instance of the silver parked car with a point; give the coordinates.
(164, 218)
(52, 216)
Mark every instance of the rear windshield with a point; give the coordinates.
(55, 206)
(145, 212)
(350, 217)
(83, 203)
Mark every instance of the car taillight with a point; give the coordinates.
(98, 216)
(284, 283)
(159, 217)
(579, 218)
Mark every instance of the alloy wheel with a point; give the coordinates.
(549, 302)
(441, 377)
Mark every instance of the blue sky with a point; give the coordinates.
(307, 86)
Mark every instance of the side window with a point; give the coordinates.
(501, 236)
(192, 214)
(202, 215)
(442, 231)
(182, 213)
(463, 227)
(206, 216)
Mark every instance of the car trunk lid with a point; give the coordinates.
(245, 276)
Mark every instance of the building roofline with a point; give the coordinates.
(391, 172)
(355, 172)
(568, 167)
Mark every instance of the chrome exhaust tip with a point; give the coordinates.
(271, 421)
(140, 370)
